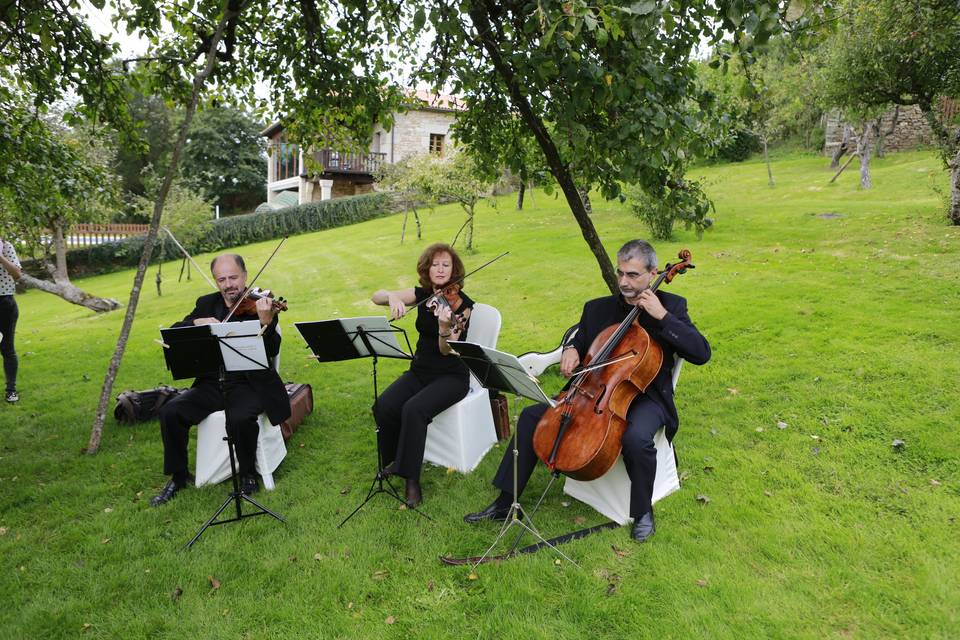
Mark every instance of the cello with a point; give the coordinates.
(581, 436)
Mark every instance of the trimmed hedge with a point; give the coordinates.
(236, 231)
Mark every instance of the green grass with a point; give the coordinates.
(844, 328)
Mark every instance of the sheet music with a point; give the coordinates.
(500, 370)
(379, 332)
(243, 337)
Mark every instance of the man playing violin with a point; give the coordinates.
(248, 393)
(664, 317)
(437, 379)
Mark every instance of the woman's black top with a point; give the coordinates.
(427, 359)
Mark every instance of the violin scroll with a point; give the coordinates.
(670, 271)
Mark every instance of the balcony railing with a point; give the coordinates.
(349, 163)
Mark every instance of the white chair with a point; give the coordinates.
(213, 458)
(461, 435)
(610, 493)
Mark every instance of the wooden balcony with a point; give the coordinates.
(358, 166)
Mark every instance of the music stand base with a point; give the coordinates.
(377, 486)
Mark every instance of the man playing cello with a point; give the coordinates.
(664, 317)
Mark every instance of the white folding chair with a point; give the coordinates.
(461, 435)
(610, 493)
(213, 458)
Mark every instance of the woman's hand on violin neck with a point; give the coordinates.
(199, 321)
(569, 360)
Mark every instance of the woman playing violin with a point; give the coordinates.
(437, 379)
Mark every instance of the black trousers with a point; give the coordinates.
(9, 313)
(404, 410)
(644, 418)
(187, 409)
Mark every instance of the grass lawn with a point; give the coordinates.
(842, 327)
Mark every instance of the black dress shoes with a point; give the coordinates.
(643, 527)
(166, 494)
(249, 485)
(493, 512)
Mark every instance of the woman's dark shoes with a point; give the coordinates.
(166, 494)
(414, 495)
(389, 470)
(643, 527)
(249, 485)
(494, 512)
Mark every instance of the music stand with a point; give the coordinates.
(350, 338)
(504, 372)
(218, 348)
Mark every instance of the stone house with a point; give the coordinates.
(902, 128)
(424, 128)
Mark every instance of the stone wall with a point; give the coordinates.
(411, 134)
(902, 128)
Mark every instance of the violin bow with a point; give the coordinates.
(459, 280)
(249, 288)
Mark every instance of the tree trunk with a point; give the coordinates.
(560, 171)
(61, 285)
(96, 431)
(70, 293)
(842, 148)
(766, 158)
(521, 191)
(955, 189)
(403, 227)
(863, 151)
(585, 198)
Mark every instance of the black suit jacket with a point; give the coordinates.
(675, 334)
(266, 383)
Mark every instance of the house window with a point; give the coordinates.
(436, 143)
(285, 160)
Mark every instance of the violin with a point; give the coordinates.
(248, 305)
(448, 297)
(581, 436)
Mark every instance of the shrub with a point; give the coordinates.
(683, 201)
(236, 231)
(738, 146)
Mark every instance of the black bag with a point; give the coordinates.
(140, 406)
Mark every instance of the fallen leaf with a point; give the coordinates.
(579, 520)
(899, 444)
(349, 605)
(390, 620)
(108, 510)
(139, 494)
(318, 556)
(450, 470)
(781, 424)
(813, 437)
(214, 584)
(684, 475)
(618, 551)
(292, 558)
(430, 586)
(933, 481)
(383, 574)
(703, 499)
(768, 494)
(701, 583)
(86, 626)
(708, 469)
(105, 541)
(759, 429)
(713, 431)
(473, 576)
(733, 391)
(303, 444)
(176, 594)
(564, 504)
(3, 530)
(344, 491)
(611, 589)
(557, 562)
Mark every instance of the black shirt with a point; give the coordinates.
(428, 359)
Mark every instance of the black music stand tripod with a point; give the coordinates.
(195, 351)
(350, 338)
